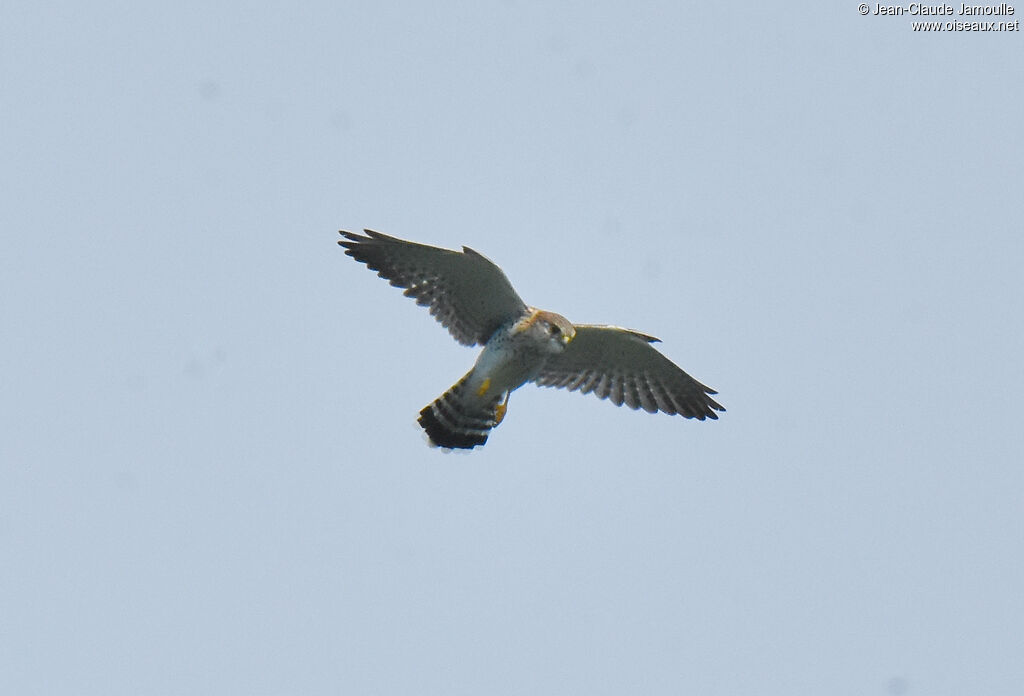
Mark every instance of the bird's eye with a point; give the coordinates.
(554, 330)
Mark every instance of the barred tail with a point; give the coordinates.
(459, 419)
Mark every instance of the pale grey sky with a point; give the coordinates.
(211, 480)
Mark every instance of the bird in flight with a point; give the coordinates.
(471, 297)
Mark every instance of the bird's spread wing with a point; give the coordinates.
(465, 291)
(623, 366)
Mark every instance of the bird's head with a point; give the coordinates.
(552, 331)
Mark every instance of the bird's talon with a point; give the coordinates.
(499, 410)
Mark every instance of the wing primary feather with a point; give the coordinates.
(589, 383)
(615, 390)
(629, 392)
(664, 400)
(574, 381)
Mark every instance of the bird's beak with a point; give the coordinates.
(567, 337)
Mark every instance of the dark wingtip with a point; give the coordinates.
(646, 337)
(350, 239)
(353, 239)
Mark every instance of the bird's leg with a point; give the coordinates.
(499, 410)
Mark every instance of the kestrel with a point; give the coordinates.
(473, 299)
